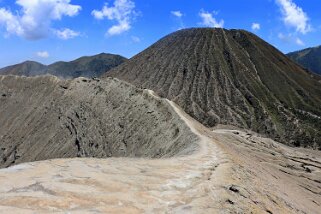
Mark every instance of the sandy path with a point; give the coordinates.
(233, 172)
(189, 184)
(274, 178)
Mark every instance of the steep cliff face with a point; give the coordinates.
(44, 118)
(231, 77)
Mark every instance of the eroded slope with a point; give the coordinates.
(43, 118)
(231, 77)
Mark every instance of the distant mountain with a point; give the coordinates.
(309, 58)
(27, 68)
(231, 77)
(88, 66)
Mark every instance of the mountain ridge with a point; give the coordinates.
(231, 77)
(309, 58)
(86, 66)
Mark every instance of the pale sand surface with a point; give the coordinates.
(233, 172)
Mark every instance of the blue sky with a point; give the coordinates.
(52, 30)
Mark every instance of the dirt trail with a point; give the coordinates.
(233, 172)
(187, 184)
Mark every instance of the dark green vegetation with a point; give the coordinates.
(309, 58)
(231, 77)
(89, 66)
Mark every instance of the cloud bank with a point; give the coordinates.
(66, 33)
(256, 26)
(122, 12)
(34, 20)
(294, 16)
(290, 38)
(208, 20)
(43, 54)
(177, 13)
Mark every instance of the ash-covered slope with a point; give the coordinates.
(231, 77)
(87, 66)
(43, 118)
(309, 58)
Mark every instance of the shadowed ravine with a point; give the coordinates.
(232, 171)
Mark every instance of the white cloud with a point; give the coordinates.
(10, 22)
(283, 37)
(298, 41)
(178, 18)
(209, 21)
(34, 19)
(177, 13)
(290, 38)
(66, 34)
(256, 26)
(135, 39)
(43, 54)
(122, 12)
(294, 16)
